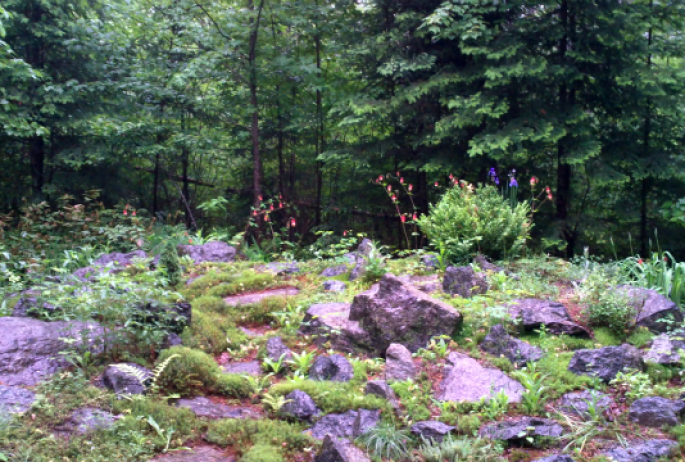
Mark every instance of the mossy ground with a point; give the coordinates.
(217, 335)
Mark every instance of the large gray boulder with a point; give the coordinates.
(663, 351)
(334, 368)
(300, 406)
(396, 312)
(648, 451)
(365, 421)
(126, 378)
(463, 281)
(330, 322)
(655, 411)
(606, 362)
(533, 313)
(29, 349)
(651, 308)
(336, 425)
(15, 400)
(215, 252)
(466, 380)
(340, 450)
(399, 364)
(117, 259)
(518, 430)
(499, 343)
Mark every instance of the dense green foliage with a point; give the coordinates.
(202, 112)
(468, 221)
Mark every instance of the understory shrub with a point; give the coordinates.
(190, 373)
(259, 440)
(470, 220)
(170, 263)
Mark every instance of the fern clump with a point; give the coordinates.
(170, 263)
(189, 374)
(470, 220)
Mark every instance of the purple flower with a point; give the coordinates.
(497, 181)
(492, 172)
(513, 183)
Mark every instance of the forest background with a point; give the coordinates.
(209, 112)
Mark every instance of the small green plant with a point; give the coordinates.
(375, 266)
(276, 367)
(301, 362)
(386, 441)
(257, 384)
(169, 261)
(634, 384)
(533, 399)
(162, 433)
(461, 449)
(274, 403)
(495, 406)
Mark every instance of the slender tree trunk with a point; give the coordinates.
(155, 187)
(645, 186)
(252, 84)
(37, 160)
(320, 132)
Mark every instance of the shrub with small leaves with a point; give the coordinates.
(170, 262)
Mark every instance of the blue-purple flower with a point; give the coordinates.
(492, 172)
(497, 181)
(513, 183)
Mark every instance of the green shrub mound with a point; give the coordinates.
(471, 220)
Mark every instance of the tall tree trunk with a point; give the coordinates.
(319, 130)
(645, 186)
(37, 160)
(252, 84)
(155, 187)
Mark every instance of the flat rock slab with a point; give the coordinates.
(202, 454)
(334, 271)
(519, 429)
(534, 313)
(466, 380)
(86, 420)
(336, 425)
(249, 368)
(15, 399)
(204, 407)
(499, 343)
(340, 450)
(649, 451)
(248, 299)
(29, 348)
(606, 362)
(579, 403)
(655, 411)
(216, 252)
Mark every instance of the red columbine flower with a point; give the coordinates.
(125, 212)
(397, 173)
(639, 262)
(190, 241)
(272, 206)
(134, 213)
(451, 177)
(389, 188)
(280, 196)
(533, 181)
(402, 180)
(411, 187)
(403, 218)
(380, 178)
(254, 212)
(436, 183)
(293, 222)
(260, 198)
(549, 196)
(344, 233)
(414, 217)
(394, 198)
(547, 190)
(266, 217)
